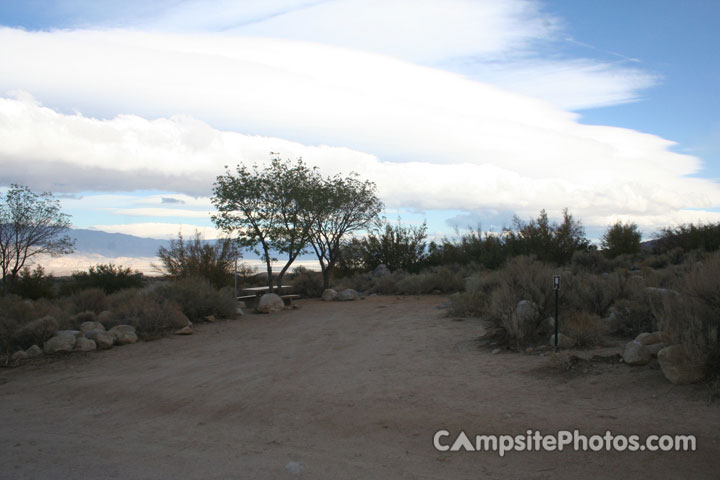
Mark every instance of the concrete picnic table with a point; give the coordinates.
(254, 293)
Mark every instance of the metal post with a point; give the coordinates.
(557, 290)
(235, 277)
(556, 287)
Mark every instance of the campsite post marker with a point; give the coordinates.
(556, 287)
(235, 278)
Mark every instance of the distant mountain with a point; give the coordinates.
(115, 244)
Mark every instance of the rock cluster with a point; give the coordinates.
(675, 362)
(91, 336)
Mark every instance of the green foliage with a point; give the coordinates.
(151, 314)
(214, 261)
(197, 298)
(397, 246)
(272, 209)
(34, 284)
(472, 247)
(346, 205)
(109, 278)
(621, 238)
(547, 241)
(31, 224)
(689, 237)
(306, 282)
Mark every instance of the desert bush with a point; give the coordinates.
(630, 317)
(587, 329)
(91, 299)
(621, 238)
(362, 282)
(593, 293)
(150, 313)
(109, 278)
(689, 237)
(307, 282)
(692, 314)
(197, 298)
(35, 332)
(34, 284)
(212, 260)
(475, 299)
(591, 261)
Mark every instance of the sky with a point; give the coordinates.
(463, 112)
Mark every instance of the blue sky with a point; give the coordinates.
(463, 112)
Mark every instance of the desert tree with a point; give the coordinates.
(548, 241)
(270, 209)
(344, 205)
(31, 224)
(397, 246)
(621, 238)
(212, 260)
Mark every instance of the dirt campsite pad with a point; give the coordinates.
(336, 391)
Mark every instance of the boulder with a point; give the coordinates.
(655, 348)
(86, 327)
(239, 311)
(678, 367)
(187, 330)
(653, 338)
(329, 295)
(34, 351)
(210, 319)
(381, 270)
(636, 353)
(123, 334)
(564, 341)
(270, 302)
(69, 333)
(19, 356)
(348, 295)
(85, 344)
(60, 343)
(103, 339)
(524, 320)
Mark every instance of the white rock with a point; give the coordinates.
(19, 356)
(348, 295)
(103, 339)
(636, 353)
(86, 327)
(34, 351)
(329, 295)
(677, 366)
(85, 344)
(184, 331)
(123, 334)
(270, 302)
(60, 343)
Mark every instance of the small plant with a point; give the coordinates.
(34, 284)
(585, 328)
(110, 278)
(306, 282)
(197, 298)
(151, 314)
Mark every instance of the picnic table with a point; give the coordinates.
(253, 294)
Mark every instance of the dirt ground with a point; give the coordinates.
(336, 391)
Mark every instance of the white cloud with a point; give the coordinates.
(536, 158)
(162, 212)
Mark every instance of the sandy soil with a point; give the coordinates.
(339, 391)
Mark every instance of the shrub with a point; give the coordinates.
(397, 246)
(692, 315)
(213, 261)
(34, 284)
(307, 282)
(35, 332)
(590, 261)
(621, 238)
(150, 314)
(585, 328)
(91, 299)
(109, 278)
(198, 299)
